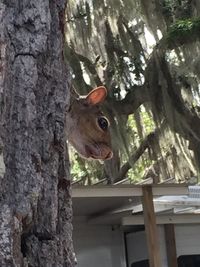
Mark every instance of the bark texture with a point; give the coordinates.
(35, 201)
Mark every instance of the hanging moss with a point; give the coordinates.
(182, 30)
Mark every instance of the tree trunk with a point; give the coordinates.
(35, 200)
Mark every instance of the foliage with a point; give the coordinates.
(187, 28)
(87, 172)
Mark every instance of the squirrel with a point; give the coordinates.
(87, 127)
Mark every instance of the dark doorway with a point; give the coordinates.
(189, 261)
(144, 263)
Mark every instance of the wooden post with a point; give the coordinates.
(150, 227)
(170, 245)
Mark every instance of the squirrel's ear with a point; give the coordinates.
(96, 96)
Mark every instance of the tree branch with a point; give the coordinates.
(136, 155)
(148, 142)
(72, 58)
(132, 101)
(91, 67)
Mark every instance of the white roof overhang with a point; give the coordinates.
(122, 204)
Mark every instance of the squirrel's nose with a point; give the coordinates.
(109, 155)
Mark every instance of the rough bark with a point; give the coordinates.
(35, 201)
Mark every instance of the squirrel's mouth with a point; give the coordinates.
(99, 151)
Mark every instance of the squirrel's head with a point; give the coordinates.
(88, 128)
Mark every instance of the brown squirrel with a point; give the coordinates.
(88, 128)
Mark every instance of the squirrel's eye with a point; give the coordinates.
(103, 123)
